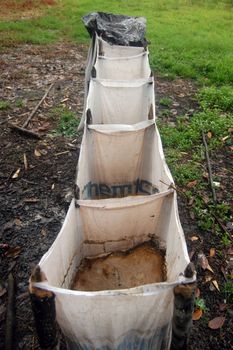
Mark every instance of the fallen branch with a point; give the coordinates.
(10, 318)
(209, 167)
(24, 131)
(25, 124)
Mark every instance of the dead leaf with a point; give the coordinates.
(197, 293)
(208, 279)
(16, 174)
(205, 199)
(43, 232)
(192, 183)
(191, 201)
(194, 238)
(215, 283)
(13, 252)
(197, 314)
(17, 222)
(203, 261)
(230, 251)
(209, 134)
(65, 99)
(31, 200)
(205, 175)
(230, 130)
(225, 138)
(192, 215)
(25, 161)
(223, 306)
(44, 127)
(212, 252)
(217, 322)
(37, 153)
(52, 187)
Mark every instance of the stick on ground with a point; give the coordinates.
(209, 167)
(24, 131)
(10, 318)
(25, 124)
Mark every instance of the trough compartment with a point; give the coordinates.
(132, 318)
(121, 102)
(119, 161)
(123, 68)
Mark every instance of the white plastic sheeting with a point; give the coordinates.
(124, 200)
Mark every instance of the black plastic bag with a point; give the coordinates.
(117, 29)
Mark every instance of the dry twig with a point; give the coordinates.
(209, 167)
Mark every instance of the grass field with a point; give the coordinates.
(188, 38)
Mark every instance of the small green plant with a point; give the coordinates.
(165, 101)
(186, 172)
(19, 103)
(4, 105)
(216, 98)
(164, 113)
(68, 122)
(228, 291)
(200, 304)
(225, 239)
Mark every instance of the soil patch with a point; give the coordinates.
(23, 9)
(120, 270)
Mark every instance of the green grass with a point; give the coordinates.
(228, 291)
(188, 38)
(217, 98)
(185, 153)
(4, 105)
(67, 122)
(165, 101)
(19, 103)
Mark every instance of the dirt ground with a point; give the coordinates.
(37, 176)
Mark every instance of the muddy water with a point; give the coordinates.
(141, 265)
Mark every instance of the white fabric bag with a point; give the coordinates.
(123, 68)
(121, 102)
(105, 49)
(134, 318)
(118, 163)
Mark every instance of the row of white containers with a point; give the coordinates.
(124, 199)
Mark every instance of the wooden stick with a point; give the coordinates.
(24, 131)
(184, 296)
(209, 167)
(25, 124)
(10, 318)
(43, 307)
